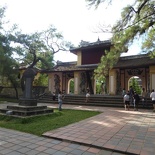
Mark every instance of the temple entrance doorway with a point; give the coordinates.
(136, 84)
(71, 86)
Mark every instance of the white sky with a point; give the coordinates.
(71, 17)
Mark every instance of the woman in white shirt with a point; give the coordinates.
(152, 96)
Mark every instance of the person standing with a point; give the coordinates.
(60, 98)
(136, 100)
(126, 100)
(131, 92)
(54, 97)
(144, 97)
(152, 96)
(87, 95)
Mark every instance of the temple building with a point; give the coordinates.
(88, 58)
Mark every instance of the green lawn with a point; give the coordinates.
(8, 100)
(40, 124)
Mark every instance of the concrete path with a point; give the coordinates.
(113, 132)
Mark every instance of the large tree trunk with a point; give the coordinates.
(16, 92)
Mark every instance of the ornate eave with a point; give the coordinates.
(134, 61)
(69, 66)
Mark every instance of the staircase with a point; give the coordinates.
(94, 100)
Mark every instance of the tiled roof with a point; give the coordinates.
(135, 61)
(70, 66)
(124, 62)
(86, 45)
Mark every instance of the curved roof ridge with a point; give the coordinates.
(134, 56)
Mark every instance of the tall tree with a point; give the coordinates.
(8, 64)
(137, 21)
(32, 49)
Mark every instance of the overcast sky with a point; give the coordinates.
(71, 17)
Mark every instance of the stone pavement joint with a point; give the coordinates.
(129, 132)
(90, 145)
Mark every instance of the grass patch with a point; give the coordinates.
(8, 100)
(40, 124)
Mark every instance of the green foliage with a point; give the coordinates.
(99, 83)
(36, 49)
(98, 88)
(72, 86)
(8, 100)
(35, 52)
(7, 68)
(137, 21)
(149, 43)
(42, 80)
(135, 85)
(46, 122)
(48, 58)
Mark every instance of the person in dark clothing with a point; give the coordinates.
(54, 97)
(136, 100)
(131, 94)
(144, 97)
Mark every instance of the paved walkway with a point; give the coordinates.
(113, 132)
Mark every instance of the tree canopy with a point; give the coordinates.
(137, 22)
(39, 48)
(36, 49)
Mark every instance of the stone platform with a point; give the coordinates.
(24, 111)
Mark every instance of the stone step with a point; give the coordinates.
(81, 101)
(92, 98)
(24, 111)
(26, 108)
(95, 100)
(121, 105)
